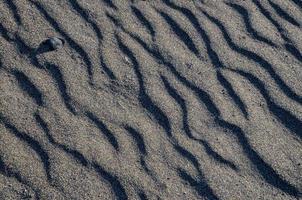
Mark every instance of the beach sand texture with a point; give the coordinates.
(163, 99)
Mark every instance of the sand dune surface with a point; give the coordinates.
(163, 99)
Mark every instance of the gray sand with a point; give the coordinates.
(169, 99)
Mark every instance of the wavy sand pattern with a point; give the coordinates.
(159, 99)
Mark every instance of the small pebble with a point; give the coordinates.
(56, 43)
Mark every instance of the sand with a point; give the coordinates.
(170, 99)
